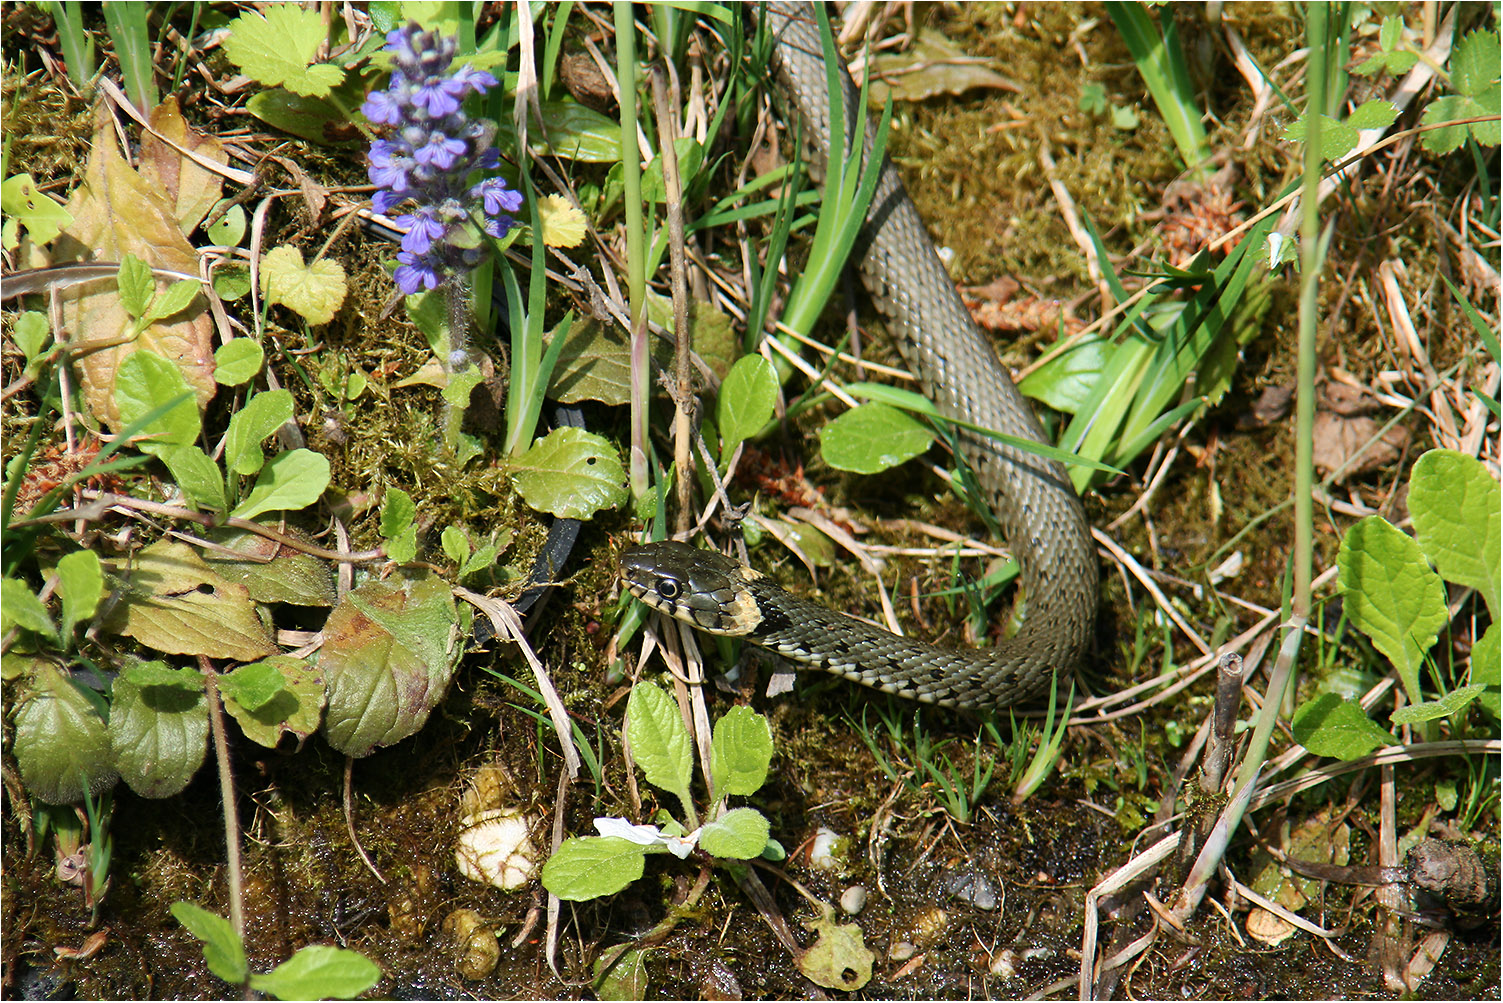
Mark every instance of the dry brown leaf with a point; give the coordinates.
(118, 211)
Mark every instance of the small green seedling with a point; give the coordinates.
(589, 867)
(316, 972)
(1395, 598)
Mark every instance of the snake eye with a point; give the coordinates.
(669, 589)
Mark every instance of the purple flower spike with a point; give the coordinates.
(429, 159)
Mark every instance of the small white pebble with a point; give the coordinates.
(494, 849)
(828, 849)
(853, 900)
(1005, 964)
(902, 951)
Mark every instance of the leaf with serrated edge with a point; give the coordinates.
(80, 583)
(1392, 596)
(237, 361)
(61, 743)
(271, 571)
(297, 708)
(390, 649)
(118, 211)
(315, 291)
(740, 752)
(279, 48)
(739, 834)
(659, 741)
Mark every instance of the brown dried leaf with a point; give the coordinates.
(193, 188)
(118, 211)
(1338, 439)
(174, 602)
(934, 65)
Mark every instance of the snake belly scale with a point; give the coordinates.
(1036, 506)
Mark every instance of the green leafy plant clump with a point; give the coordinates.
(1397, 599)
(589, 867)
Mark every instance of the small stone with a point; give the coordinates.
(853, 900)
(902, 951)
(976, 889)
(828, 851)
(1005, 964)
(478, 951)
(494, 849)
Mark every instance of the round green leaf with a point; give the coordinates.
(61, 745)
(871, 438)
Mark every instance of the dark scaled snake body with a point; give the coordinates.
(1036, 506)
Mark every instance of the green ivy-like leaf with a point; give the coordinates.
(740, 752)
(589, 867)
(1391, 595)
(136, 285)
(1331, 726)
(277, 49)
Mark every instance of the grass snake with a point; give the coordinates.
(1036, 506)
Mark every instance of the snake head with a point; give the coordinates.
(699, 587)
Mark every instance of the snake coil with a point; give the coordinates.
(1037, 508)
